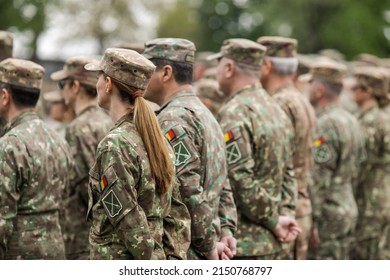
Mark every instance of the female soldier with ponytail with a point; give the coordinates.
(131, 181)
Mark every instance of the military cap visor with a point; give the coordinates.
(214, 56)
(305, 78)
(93, 66)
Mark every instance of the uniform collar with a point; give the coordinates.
(179, 95)
(22, 118)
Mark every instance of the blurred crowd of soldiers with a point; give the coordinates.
(277, 155)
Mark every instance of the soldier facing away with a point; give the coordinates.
(337, 151)
(199, 148)
(277, 72)
(373, 190)
(132, 181)
(83, 135)
(259, 147)
(6, 51)
(34, 169)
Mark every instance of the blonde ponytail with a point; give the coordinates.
(147, 125)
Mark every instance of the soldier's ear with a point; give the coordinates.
(76, 86)
(108, 83)
(230, 69)
(5, 97)
(167, 73)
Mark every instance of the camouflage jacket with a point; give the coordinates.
(259, 139)
(337, 151)
(201, 169)
(83, 135)
(373, 192)
(127, 212)
(34, 175)
(303, 119)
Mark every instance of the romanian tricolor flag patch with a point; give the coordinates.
(103, 183)
(319, 142)
(170, 135)
(228, 136)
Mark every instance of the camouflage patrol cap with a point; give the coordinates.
(174, 49)
(74, 69)
(126, 66)
(375, 77)
(242, 51)
(325, 70)
(6, 44)
(20, 72)
(279, 46)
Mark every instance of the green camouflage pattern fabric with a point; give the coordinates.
(201, 169)
(259, 139)
(243, 51)
(326, 70)
(208, 92)
(337, 151)
(74, 68)
(303, 119)
(373, 191)
(83, 135)
(20, 72)
(279, 46)
(34, 176)
(126, 211)
(6, 44)
(126, 66)
(174, 49)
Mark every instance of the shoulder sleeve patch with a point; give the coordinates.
(112, 204)
(108, 179)
(233, 153)
(322, 152)
(181, 152)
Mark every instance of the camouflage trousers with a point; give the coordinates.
(374, 248)
(301, 245)
(332, 249)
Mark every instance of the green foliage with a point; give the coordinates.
(24, 15)
(350, 26)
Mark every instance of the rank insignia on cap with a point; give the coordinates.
(170, 135)
(103, 183)
(182, 154)
(228, 136)
(319, 142)
(112, 204)
(233, 153)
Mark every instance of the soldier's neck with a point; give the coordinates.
(276, 83)
(82, 104)
(368, 104)
(172, 91)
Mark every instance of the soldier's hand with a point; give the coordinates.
(220, 252)
(231, 243)
(287, 229)
(314, 241)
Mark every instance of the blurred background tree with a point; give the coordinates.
(25, 16)
(349, 26)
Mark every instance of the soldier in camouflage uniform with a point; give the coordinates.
(83, 135)
(208, 92)
(337, 150)
(34, 169)
(277, 71)
(373, 191)
(199, 147)
(258, 135)
(6, 49)
(132, 181)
